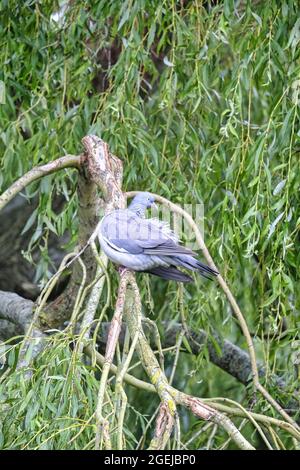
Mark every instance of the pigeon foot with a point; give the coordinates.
(122, 269)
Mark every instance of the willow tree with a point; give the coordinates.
(195, 102)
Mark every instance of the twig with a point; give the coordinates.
(102, 263)
(33, 332)
(251, 419)
(79, 297)
(122, 370)
(113, 336)
(266, 420)
(198, 433)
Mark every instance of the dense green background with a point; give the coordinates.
(200, 100)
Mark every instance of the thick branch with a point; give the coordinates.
(15, 309)
(105, 170)
(90, 208)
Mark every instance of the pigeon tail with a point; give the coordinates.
(193, 264)
(170, 273)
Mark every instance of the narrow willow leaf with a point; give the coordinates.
(274, 224)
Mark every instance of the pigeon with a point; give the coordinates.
(147, 245)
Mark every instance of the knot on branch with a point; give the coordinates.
(105, 170)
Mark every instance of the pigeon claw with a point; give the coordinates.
(121, 270)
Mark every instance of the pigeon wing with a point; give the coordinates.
(124, 231)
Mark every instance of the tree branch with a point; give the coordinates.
(36, 173)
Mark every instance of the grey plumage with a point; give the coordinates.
(147, 245)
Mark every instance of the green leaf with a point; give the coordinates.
(30, 221)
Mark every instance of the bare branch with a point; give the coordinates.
(36, 173)
(15, 309)
(112, 340)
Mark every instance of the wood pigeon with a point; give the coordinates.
(147, 245)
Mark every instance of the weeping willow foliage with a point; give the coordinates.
(201, 101)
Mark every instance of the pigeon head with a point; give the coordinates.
(145, 199)
(141, 202)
